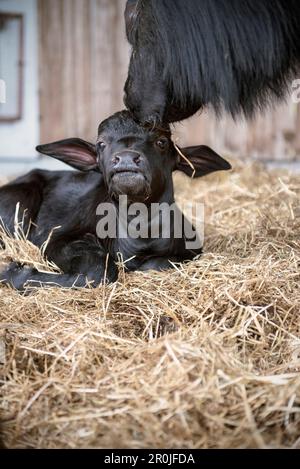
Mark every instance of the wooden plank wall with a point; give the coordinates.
(83, 65)
(272, 136)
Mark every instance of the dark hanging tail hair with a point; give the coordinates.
(234, 54)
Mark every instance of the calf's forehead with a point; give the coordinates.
(122, 125)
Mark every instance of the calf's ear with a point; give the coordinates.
(74, 152)
(200, 160)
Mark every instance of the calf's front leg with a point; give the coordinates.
(158, 263)
(19, 276)
(80, 266)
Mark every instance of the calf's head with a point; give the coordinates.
(134, 160)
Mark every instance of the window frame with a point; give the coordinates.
(20, 79)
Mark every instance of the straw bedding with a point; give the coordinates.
(204, 356)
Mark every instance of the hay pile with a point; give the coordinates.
(205, 356)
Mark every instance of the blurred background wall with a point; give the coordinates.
(72, 62)
(19, 116)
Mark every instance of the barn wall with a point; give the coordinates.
(83, 64)
(272, 136)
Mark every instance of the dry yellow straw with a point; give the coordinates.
(185, 159)
(206, 355)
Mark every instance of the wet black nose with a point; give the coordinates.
(126, 159)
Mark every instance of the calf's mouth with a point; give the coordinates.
(130, 182)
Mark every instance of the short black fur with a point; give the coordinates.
(237, 55)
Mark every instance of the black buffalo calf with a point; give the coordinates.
(128, 165)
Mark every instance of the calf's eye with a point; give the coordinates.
(162, 143)
(101, 145)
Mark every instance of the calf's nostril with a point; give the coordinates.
(116, 160)
(127, 159)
